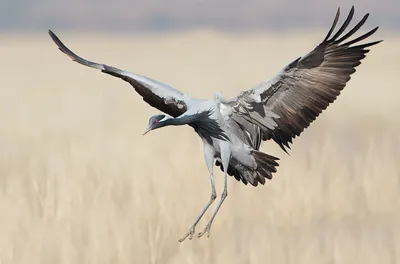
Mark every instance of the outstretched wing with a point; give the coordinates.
(157, 94)
(284, 106)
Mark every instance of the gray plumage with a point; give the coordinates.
(279, 109)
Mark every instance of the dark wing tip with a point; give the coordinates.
(62, 47)
(360, 38)
(353, 30)
(72, 55)
(369, 44)
(345, 24)
(56, 40)
(335, 20)
(335, 40)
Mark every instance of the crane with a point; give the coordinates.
(279, 109)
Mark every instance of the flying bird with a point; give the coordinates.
(279, 109)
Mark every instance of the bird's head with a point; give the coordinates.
(155, 122)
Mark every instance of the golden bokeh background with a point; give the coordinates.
(80, 184)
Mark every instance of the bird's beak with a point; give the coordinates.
(147, 131)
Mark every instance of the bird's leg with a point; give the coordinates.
(209, 157)
(225, 157)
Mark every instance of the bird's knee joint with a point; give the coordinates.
(213, 196)
(224, 195)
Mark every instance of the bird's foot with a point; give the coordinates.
(206, 230)
(188, 234)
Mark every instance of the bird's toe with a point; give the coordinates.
(188, 234)
(206, 230)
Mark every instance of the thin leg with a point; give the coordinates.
(225, 156)
(209, 157)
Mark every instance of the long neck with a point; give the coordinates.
(178, 121)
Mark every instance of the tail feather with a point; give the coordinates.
(266, 165)
(260, 178)
(265, 172)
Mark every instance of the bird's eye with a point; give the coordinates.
(156, 122)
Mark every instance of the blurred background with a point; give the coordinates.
(80, 184)
(157, 15)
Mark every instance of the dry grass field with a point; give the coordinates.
(80, 184)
